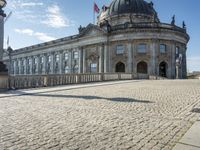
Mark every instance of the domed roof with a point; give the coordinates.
(131, 6)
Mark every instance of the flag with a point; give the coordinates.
(96, 8)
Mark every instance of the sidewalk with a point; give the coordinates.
(60, 88)
(191, 140)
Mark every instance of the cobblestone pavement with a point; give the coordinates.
(115, 115)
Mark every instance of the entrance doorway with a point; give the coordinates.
(163, 69)
(142, 67)
(120, 67)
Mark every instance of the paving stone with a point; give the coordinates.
(116, 115)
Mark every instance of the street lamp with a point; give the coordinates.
(178, 65)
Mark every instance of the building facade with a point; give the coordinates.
(128, 37)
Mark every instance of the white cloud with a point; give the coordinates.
(55, 18)
(39, 35)
(31, 4)
(37, 12)
(28, 32)
(43, 37)
(19, 4)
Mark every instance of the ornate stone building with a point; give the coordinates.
(128, 37)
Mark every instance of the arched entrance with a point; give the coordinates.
(120, 67)
(163, 69)
(142, 67)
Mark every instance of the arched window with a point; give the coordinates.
(142, 67)
(75, 55)
(177, 50)
(57, 67)
(66, 55)
(67, 70)
(49, 58)
(75, 69)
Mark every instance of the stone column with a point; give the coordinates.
(44, 71)
(81, 60)
(38, 65)
(70, 61)
(130, 58)
(31, 65)
(84, 61)
(173, 60)
(134, 68)
(19, 66)
(184, 63)
(15, 66)
(106, 61)
(61, 63)
(153, 48)
(101, 59)
(52, 63)
(25, 66)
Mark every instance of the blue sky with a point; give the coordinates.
(37, 21)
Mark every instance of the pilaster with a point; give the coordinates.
(101, 58)
(130, 58)
(61, 63)
(84, 60)
(81, 60)
(106, 61)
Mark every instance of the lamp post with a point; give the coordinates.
(178, 65)
(2, 16)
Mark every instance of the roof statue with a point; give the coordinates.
(184, 26)
(173, 20)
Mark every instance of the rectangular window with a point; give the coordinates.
(66, 56)
(163, 48)
(57, 58)
(142, 48)
(49, 58)
(177, 50)
(75, 55)
(42, 60)
(93, 68)
(120, 49)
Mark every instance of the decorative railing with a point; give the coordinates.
(35, 81)
(147, 25)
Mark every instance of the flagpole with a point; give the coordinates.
(93, 13)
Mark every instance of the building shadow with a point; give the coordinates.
(84, 97)
(116, 99)
(195, 110)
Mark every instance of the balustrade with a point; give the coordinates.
(33, 81)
